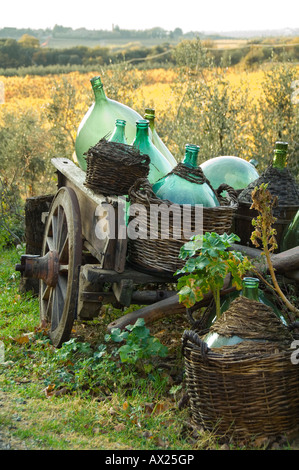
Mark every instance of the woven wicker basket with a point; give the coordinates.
(113, 167)
(162, 254)
(247, 390)
(282, 184)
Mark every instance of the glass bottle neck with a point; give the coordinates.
(250, 288)
(149, 115)
(120, 123)
(118, 134)
(280, 155)
(142, 134)
(98, 88)
(191, 155)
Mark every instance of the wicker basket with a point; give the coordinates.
(282, 184)
(162, 254)
(113, 167)
(247, 390)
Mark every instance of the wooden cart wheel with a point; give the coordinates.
(63, 243)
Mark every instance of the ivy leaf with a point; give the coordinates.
(117, 335)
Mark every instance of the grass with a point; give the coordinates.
(49, 403)
(68, 399)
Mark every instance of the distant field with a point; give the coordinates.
(229, 43)
(61, 43)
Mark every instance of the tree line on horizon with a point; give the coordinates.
(27, 51)
(116, 32)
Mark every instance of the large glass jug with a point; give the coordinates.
(250, 290)
(99, 121)
(159, 165)
(234, 171)
(157, 141)
(184, 186)
(291, 237)
(281, 184)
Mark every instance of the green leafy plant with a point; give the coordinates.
(139, 344)
(208, 262)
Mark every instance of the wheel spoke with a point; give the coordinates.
(54, 231)
(46, 294)
(64, 251)
(48, 309)
(62, 283)
(61, 229)
(50, 243)
(46, 301)
(55, 317)
(58, 305)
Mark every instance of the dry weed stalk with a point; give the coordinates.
(264, 202)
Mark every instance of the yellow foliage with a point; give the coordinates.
(34, 92)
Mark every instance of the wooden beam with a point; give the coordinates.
(283, 262)
(165, 308)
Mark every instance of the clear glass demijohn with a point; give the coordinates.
(99, 121)
(234, 171)
(157, 141)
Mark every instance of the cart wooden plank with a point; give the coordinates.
(109, 251)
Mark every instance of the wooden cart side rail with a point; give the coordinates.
(110, 252)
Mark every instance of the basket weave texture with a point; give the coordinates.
(281, 183)
(113, 167)
(250, 389)
(162, 254)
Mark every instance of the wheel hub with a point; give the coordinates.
(37, 267)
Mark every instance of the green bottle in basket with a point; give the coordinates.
(250, 289)
(99, 121)
(118, 135)
(159, 165)
(186, 187)
(291, 237)
(282, 184)
(157, 141)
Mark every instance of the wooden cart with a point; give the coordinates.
(79, 271)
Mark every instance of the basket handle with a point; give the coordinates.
(193, 337)
(232, 193)
(147, 191)
(144, 184)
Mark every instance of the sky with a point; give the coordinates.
(189, 15)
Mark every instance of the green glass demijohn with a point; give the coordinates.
(99, 121)
(118, 135)
(159, 165)
(282, 185)
(250, 289)
(157, 141)
(179, 190)
(290, 238)
(234, 171)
